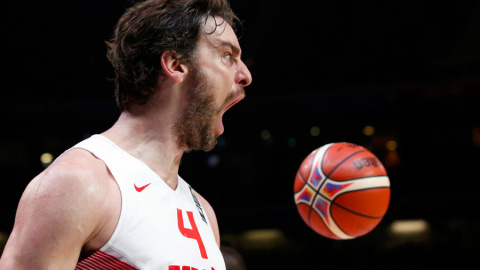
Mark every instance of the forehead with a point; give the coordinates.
(217, 32)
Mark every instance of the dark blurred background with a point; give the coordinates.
(400, 77)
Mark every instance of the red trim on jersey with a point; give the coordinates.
(103, 261)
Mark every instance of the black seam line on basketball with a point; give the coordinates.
(329, 200)
(346, 209)
(301, 176)
(311, 166)
(307, 184)
(333, 202)
(349, 180)
(353, 212)
(368, 188)
(304, 181)
(328, 227)
(341, 162)
(317, 191)
(312, 187)
(359, 178)
(312, 171)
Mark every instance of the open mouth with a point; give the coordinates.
(233, 102)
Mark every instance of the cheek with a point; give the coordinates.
(221, 80)
(221, 88)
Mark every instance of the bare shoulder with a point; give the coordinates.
(210, 214)
(60, 210)
(75, 177)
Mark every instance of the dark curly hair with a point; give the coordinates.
(150, 28)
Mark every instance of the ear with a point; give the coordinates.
(172, 67)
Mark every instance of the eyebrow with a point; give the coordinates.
(235, 49)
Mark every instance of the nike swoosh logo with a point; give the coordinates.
(140, 189)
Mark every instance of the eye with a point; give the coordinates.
(228, 57)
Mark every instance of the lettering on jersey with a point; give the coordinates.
(178, 267)
(199, 207)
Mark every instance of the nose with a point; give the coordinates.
(244, 77)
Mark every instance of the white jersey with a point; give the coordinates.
(159, 228)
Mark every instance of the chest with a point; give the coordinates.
(161, 227)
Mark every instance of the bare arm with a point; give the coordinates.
(58, 213)
(211, 216)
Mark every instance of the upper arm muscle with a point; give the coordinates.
(55, 217)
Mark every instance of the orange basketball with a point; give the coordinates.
(342, 190)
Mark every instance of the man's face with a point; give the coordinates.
(216, 81)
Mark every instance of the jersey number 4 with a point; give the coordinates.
(191, 233)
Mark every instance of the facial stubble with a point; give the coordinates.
(194, 128)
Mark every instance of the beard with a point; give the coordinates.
(194, 128)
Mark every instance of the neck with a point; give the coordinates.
(151, 141)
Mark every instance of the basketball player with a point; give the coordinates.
(115, 200)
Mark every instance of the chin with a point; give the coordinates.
(206, 143)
